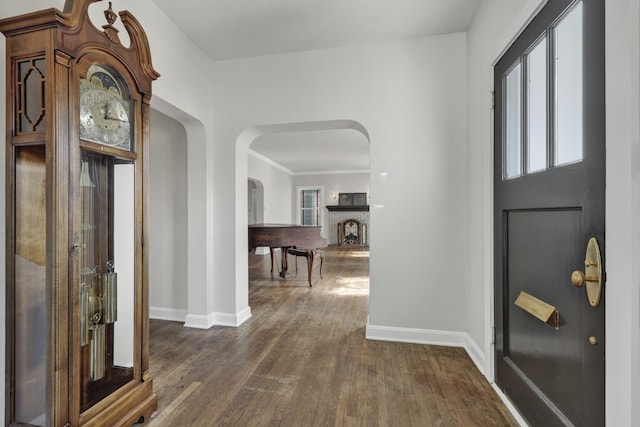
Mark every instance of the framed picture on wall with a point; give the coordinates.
(359, 199)
(345, 199)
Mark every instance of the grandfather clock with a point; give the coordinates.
(77, 187)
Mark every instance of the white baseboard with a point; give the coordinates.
(422, 336)
(173, 314)
(217, 319)
(262, 250)
(476, 354)
(509, 405)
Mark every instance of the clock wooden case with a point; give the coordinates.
(77, 136)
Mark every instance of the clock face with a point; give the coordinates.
(104, 114)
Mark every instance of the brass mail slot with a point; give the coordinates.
(539, 309)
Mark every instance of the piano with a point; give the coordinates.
(299, 240)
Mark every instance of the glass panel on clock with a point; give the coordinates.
(107, 275)
(29, 288)
(105, 108)
(30, 102)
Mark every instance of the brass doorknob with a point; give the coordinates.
(592, 275)
(593, 340)
(577, 278)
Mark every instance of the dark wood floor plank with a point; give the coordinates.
(302, 360)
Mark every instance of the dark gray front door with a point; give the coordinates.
(549, 202)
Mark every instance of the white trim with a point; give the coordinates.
(162, 313)
(527, 13)
(332, 172)
(262, 250)
(415, 336)
(270, 162)
(197, 321)
(489, 276)
(509, 405)
(476, 354)
(622, 216)
(288, 171)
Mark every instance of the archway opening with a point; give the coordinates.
(244, 146)
(177, 292)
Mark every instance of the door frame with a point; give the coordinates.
(622, 223)
(529, 11)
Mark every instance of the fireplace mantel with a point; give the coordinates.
(347, 208)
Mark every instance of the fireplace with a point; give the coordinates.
(352, 232)
(348, 225)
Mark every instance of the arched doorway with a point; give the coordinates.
(185, 300)
(243, 143)
(255, 201)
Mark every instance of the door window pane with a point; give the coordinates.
(537, 107)
(512, 119)
(568, 87)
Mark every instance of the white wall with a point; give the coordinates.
(622, 212)
(410, 96)
(168, 245)
(124, 260)
(178, 94)
(277, 185)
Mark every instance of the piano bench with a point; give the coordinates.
(307, 253)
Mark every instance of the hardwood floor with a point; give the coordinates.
(302, 360)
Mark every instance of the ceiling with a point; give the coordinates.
(344, 150)
(229, 29)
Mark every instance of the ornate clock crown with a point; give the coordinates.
(109, 30)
